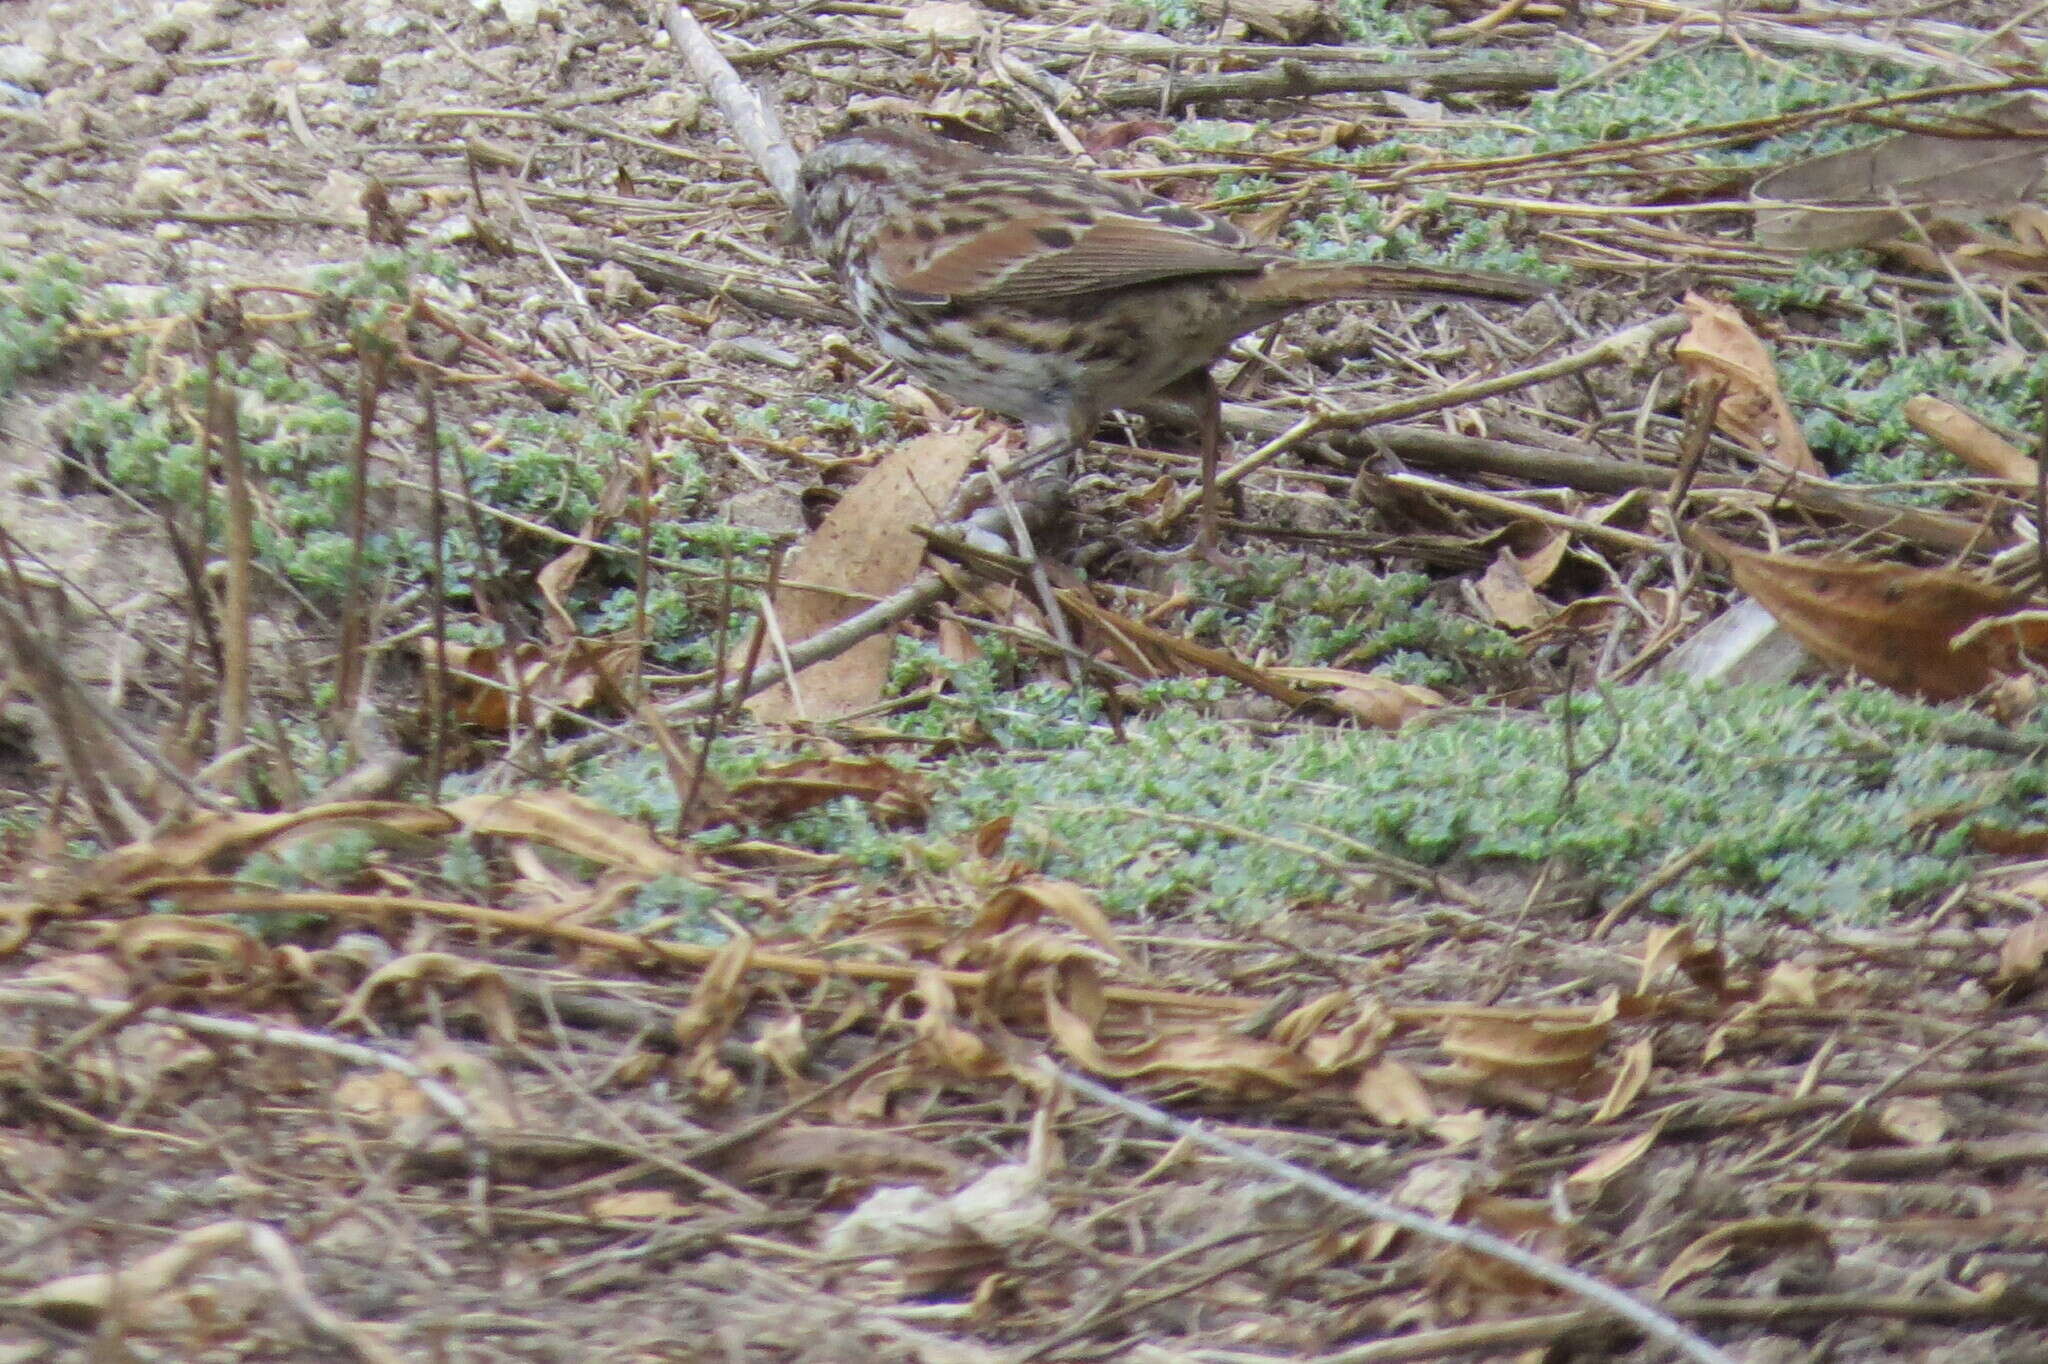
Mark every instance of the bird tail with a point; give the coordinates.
(1299, 284)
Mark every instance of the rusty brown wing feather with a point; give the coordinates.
(1059, 233)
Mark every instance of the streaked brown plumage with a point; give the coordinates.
(1048, 294)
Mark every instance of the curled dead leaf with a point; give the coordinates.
(1629, 1080)
(897, 795)
(1929, 632)
(1506, 593)
(1544, 1053)
(1379, 701)
(572, 824)
(1753, 411)
(1610, 1161)
(1221, 1062)
(941, 1038)
(864, 550)
(718, 1000)
(484, 986)
(1390, 1094)
(1027, 901)
(208, 957)
(1762, 1237)
(2021, 955)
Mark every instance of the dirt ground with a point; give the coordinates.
(429, 1134)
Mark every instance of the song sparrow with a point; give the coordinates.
(1051, 295)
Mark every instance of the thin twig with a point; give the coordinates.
(1653, 1323)
(753, 119)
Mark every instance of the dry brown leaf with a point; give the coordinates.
(1184, 653)
(2021, 955)
(1027, 901)
(783, 1044)
(572, 824)
(1634, 1073)
(718, 999)
(1528, 1222)
(956, 642)
(1390, 1094)
(1357, 1043)
(944, 19)
(897, 795)
(850, 1151)
(1026, 963)
(1898, 626)
(198, 843)
(940, 1037)
(706, 1078)
(484, 985)
(1610, 1161)
(1505, 592)
(1379, 701)
(637, 1205)
(1753, 412)
(1540, 563)
(1856, 197)
(1663, 949)
(1793, 984)
(990, 837)
(1763, 1236)
(868, 1101)
(489, 685)
(1532, 1051)
(1109, 137)
(863, 551)
(1225, 1063)
(383, 1097)
(1913, 1122)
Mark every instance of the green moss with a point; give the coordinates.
(298, 430)
(1342, 614)
(1811, 803)
(38, 301)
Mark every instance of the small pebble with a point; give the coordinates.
(158, 187)
(167, 34)
(324, 31)
(673, 111)
(362, 70)
(150, 79)
(22, 65)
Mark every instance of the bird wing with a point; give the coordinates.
(997, 238)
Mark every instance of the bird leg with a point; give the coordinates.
(1208, 402)
(1196, 392)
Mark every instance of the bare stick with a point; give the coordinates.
(1622, 345)
(823, 645)
(1652, 1323)
(753, 118)
(223, 417)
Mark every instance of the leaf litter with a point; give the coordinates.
(667, 1084)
